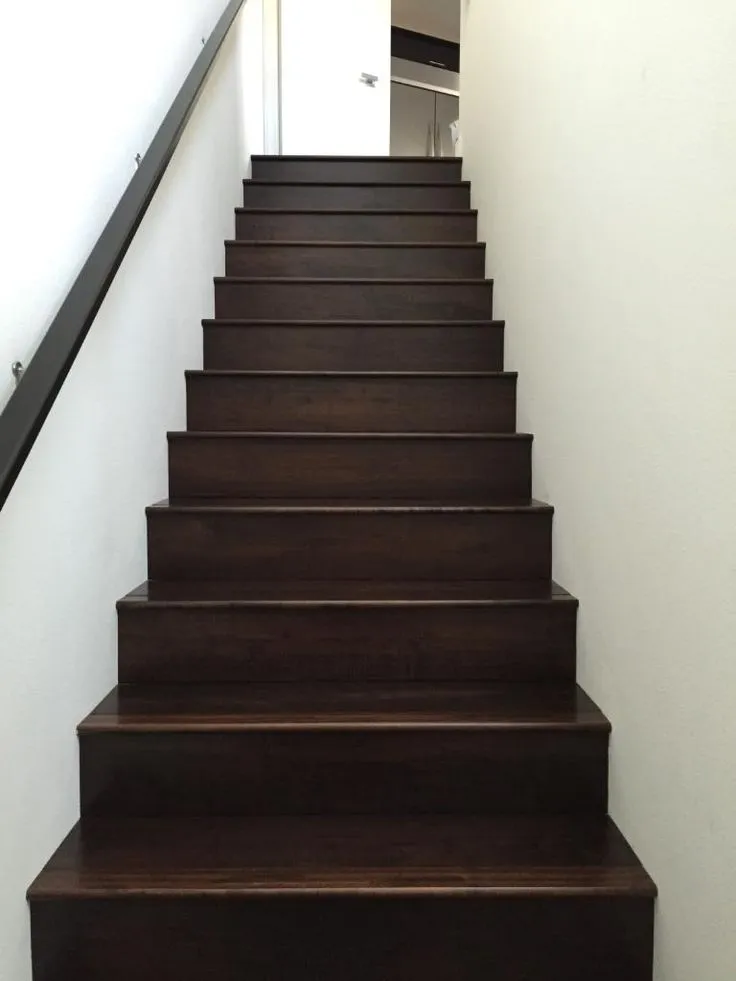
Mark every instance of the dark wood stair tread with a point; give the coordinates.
(357, 211)
(329, 158)
(342, 244)
(351, 281)
(348, 593)
(283, 182)
(450, 324)
(348, 706)
(343, 506)
(261, 434)
(239, 373)
(349, 856)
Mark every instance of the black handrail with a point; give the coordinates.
(29, 405)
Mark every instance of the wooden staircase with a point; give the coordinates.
(347, 743)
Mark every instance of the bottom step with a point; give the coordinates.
(369, 899)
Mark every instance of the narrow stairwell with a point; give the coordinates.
(347, 743)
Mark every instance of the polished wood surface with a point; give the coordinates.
(348, 706)
(416, 260)
(352, 346)
(368, 593)
(363, 897)
(353, 299)
(461, 855)
(344, 748)
(444, 195)
(357, 226)
(352, 170)
(347, 740)
(232, 541)
(351, 402)
(333, 937)
(310, 630)
(478, 467)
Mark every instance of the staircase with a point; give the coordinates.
(347, 743)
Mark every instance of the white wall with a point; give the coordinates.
(271, 33)
(83, 88)
(72, 533)
(325, 45)
(601, 140)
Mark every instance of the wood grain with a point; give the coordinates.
(444, 195)
(352, 346)
(347, 741)
(321, 631)
(383, 260)
(358, 226)
(346, 299)
(449, 467)
(345, 402)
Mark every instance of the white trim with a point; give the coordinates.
(424, 85)
(272, 76)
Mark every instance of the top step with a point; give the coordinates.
(350, 170)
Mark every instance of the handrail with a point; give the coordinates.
(29, 405)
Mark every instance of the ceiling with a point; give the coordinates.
(440, 18)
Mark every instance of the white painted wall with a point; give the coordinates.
(325, 45)
(83, 88)
(72, 533)
(601, 142)
(271, 13)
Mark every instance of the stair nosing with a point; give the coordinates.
(275, 604)
(207, 507)
(240, 322)
(232, 875)
(355, 280)
(181, 434)
(162, 710)
(470, 212)
(341, 244)
(347, 158)
(624, 890)
(224, 372)
(140, 600)
(88, 728)
(264, 181)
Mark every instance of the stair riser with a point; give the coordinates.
(347, 197)
(324, 300)
(232, 545)
(390, 262)
(354, 348)
(533, 642)
(360, 404)
(343, 772)
(427, 469)
(364, 939)
(304, 227)
(349, 171)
